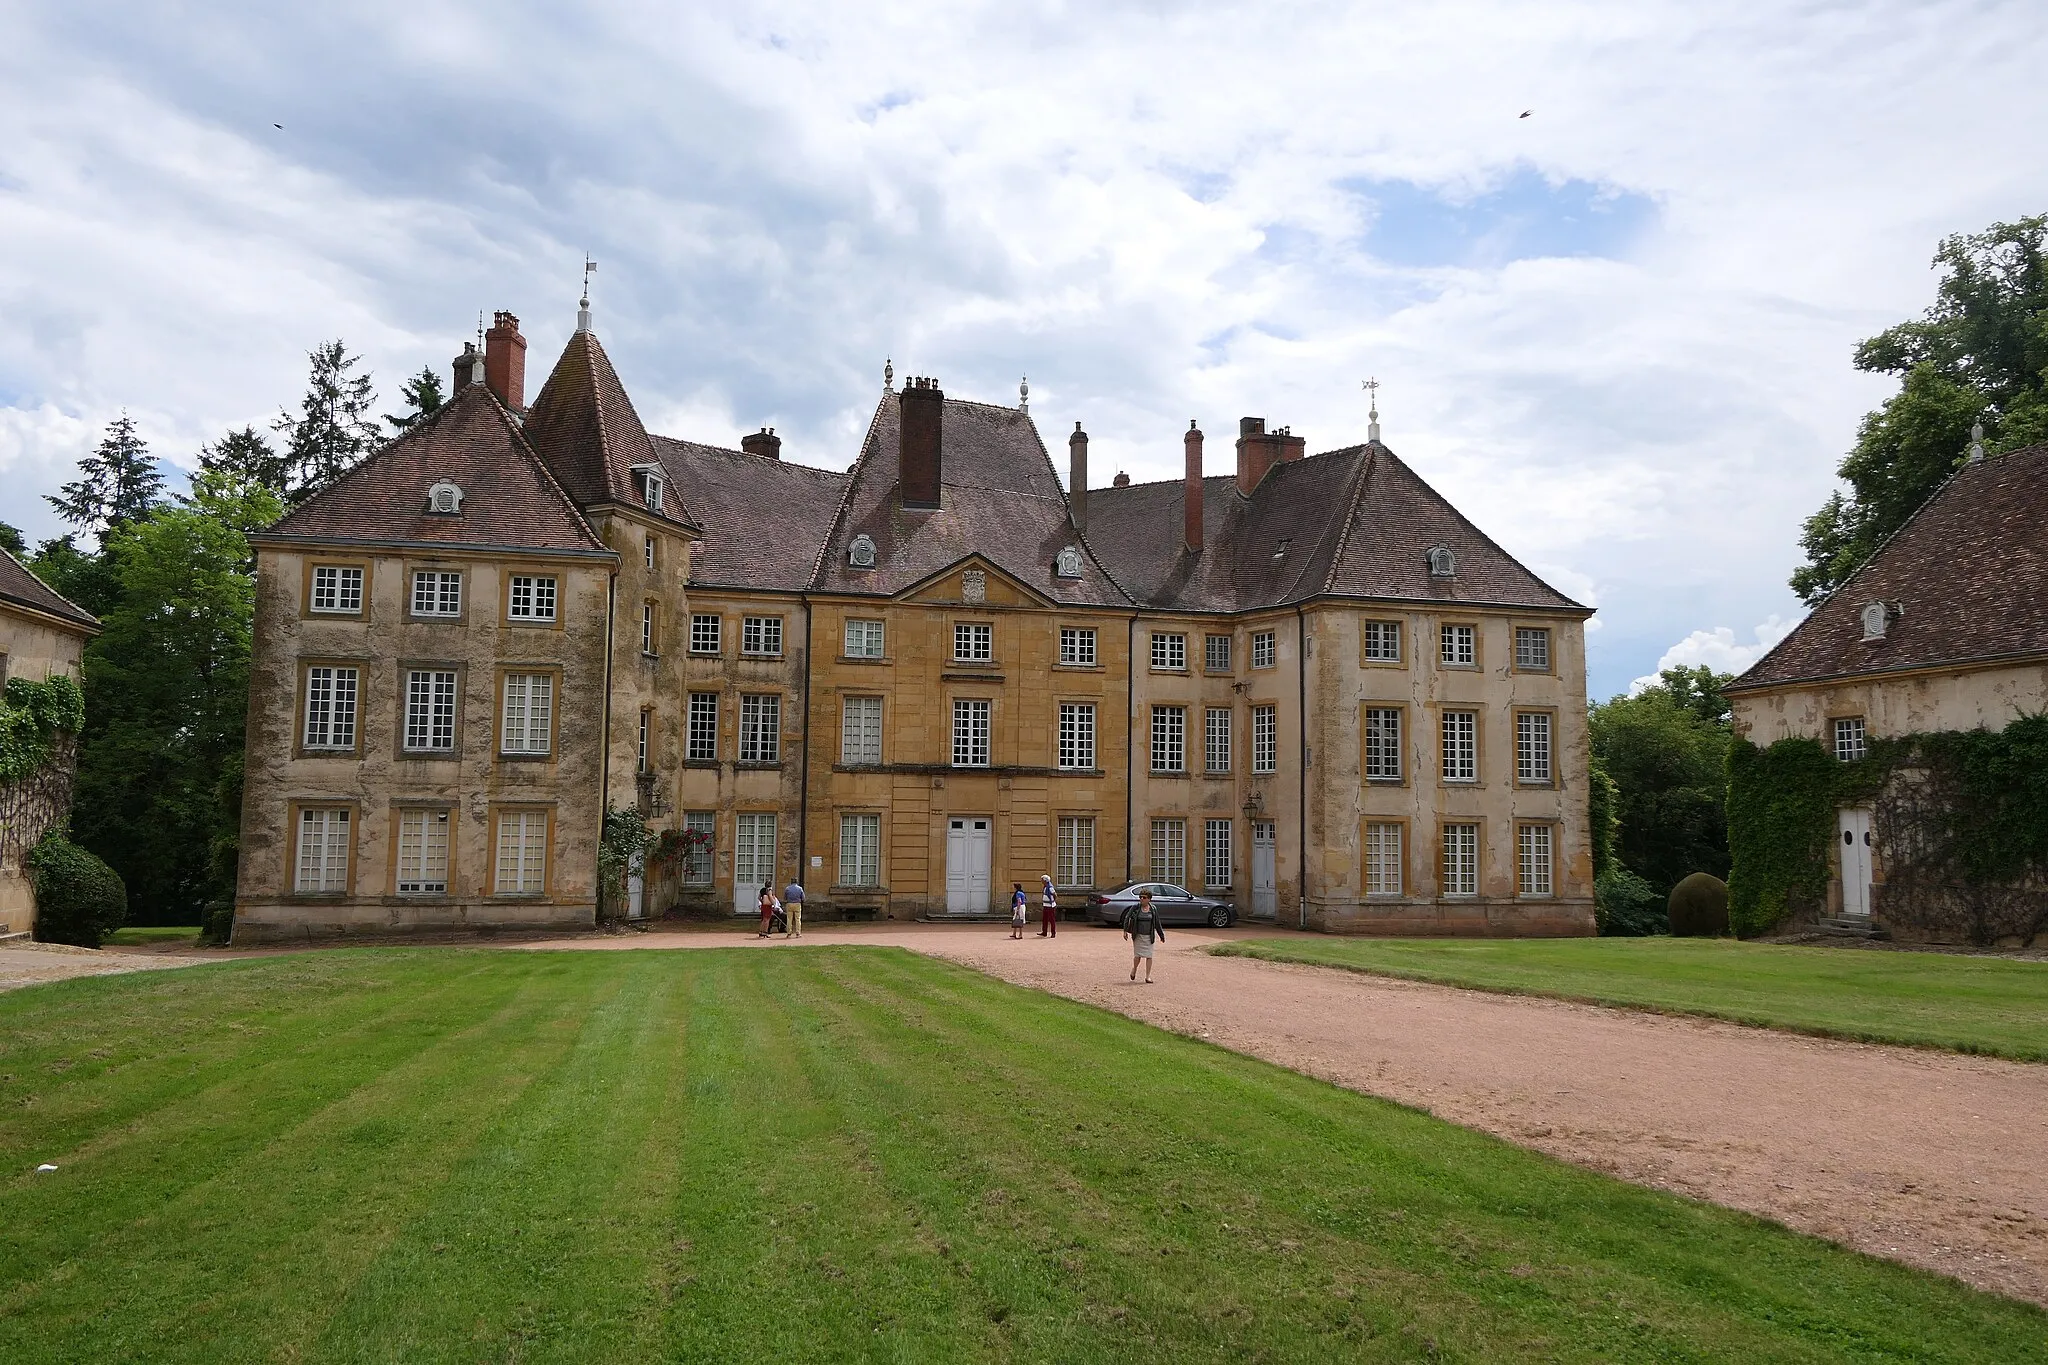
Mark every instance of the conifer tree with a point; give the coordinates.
(333, 430)
(422, 393)
(118, 483)
(11, 541)
(246, 457)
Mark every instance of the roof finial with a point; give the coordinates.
(1976, 443)
(888, 375)
(583, 308)
(1372, 424)
(1024, 394)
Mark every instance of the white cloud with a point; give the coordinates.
(1718, 650)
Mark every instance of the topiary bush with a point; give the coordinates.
(1699, 907)
(79, 899)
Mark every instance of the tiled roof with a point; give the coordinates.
(1967, 573)
(762, 519)
(585, 427)
(24, 589)
(509, 497)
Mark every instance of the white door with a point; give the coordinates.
(1855, 849)
(636, 887)
(1265, 900)
(753, 861)
(968, 847)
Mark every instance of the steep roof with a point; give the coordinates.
(509, 496)
(762, 520)
(585, 427)
(1967, 573)
(23, 589)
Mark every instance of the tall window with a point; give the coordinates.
(646, 751)
(1216, 739)
(1850, 742)
(1461, 860)
(522, 852)
(533, 598)
(1382, 744)
(1263, 652)
(1170, 651)
(1077, 734)
(1461, 746)
(1532, 860)
(1460, 649)
(331, 708)
(761, 635)
(430, 710)
(436, 592)
(338, 590)
(1382, 860)
(529, 713)
(1169, 739)
(760, 728)
(699, 824)
(650, 552)
(1265, 739)
(970, 733)
(423, 853)
(974, 644)
(1216, 854)
(1532, 649)
(1532, 746)
(1216, 653)
(1382, 641)
(1077, 646)
(321, 867)
(704, 632)
(863, 639)
(1075, 864)
(703, 735)
(647, 637)
(860, 850)
(1170, 851)
(860, 730)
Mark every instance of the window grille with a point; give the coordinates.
(1263, 651)
(1461, 746)
(1850, 742)
(1217, 850)
(1216, 739)
(1216, 653)
(529, 713)
(860, 850)
(1532, 860)
(1460, 648)
(331, 708)
(322, 864)
(1532, 649)
(1265, 739)
(436, 593)
(430, 710)
(1170, 851)
(761, 635)
(1169, 739)
(704, 633)
(1383, 641)
(423, 853)
(1076, 853)
(1077, 646)
(1382, 860)
(645, 752)
(647, 619)
(337, 590)
(1461, 860)
(1532, 746)
(1077, 734)
(533, 598)
(703, 734)
(860, 731)
(522, 852)
(974, 643)
(1170, 652)
(697, 852)
(863, 639)
(970, 733)
(760, 728)
(1382, 744)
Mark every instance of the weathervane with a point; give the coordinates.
(583, 308)
(1372, 426)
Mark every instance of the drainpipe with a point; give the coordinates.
(604, 769)
(803, 809)
(1130, 742)
(1301, 680)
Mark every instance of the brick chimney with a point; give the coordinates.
(1191, 490)
(1077, 476)
(920, 437)
(762, 442)
(468, 368)
(505, 361)
(1258, 450)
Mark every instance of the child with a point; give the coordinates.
(1016, 909)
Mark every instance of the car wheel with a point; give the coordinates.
(1219, 918)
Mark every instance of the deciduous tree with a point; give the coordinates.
(1666, 750)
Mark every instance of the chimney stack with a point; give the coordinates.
(1258, 450)
(921, 412)
(1077, 476)
(1191, 490)
(468, 367)
(505, 360)
(762, 442)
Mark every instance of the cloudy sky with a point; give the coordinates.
(1616, 332)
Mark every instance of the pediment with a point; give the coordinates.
(972, 581)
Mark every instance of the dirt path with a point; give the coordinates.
(1931, 1158)
(31, 964)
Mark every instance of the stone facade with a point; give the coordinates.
(41, 636)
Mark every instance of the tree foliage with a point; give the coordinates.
(334, 428)
(245, 457)
(422, 394)
(1665, 749)
(1979, 353)
(79, 899)
(11, 541)
(116, 483)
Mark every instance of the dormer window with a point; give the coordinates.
(861, 554)
(1442, 563)
(444, 499)
(1068, 565)
(651, 480)
(1877, 618)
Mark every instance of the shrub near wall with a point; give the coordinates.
(79, 899)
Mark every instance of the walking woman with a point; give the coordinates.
(1016, 909)
(1048, 909)
(1142, 927)
(767, 908)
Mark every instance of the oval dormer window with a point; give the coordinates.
(1068, 565)
(445, 499)
(861, 554)
(1876, 617)
(1442, 563)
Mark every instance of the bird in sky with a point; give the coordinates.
(280, 125)
(1525, 113)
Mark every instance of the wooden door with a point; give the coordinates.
(1856, 857)
(1265, 899)
(969, 849)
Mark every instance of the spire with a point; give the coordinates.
(1372, 422)
(1976, 443)
(583, 308)
(888, 375)
(1024, 395)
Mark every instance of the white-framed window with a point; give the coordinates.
(1216, 739)
(1263, 650)
(646, 747)
(650, 552)
(1077, 646)
(1532, 746)
(430, 710)
(970, 733)
(704, 632)
(697, 853)
(1461, 860)
(1169, 739)
(860, 730)
(860, 850)
(1382, 641)
(648, 638)
(1265, 739)
(522, 852)
(1461, 746)
(1460, 646)
(1077, 734)
(761, 635)
(703, 728)
(1217, 851)
(863, 639)
(1170, 652)
(1382, 744)
(1851, 743)
(337, 589)
(321, 868)
(1170, 851)
(529, 714)
(1216, 653)
(974, 642)
(760, 727)
(423, 852)
(1532, 649)
(1532, 860)
(436, 592)
(1074, 864)
(533, 598)
(331, 707)
(1382, 859)
(651, 490)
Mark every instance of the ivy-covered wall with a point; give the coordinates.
(38, 725)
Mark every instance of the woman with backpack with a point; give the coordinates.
(1143, 928)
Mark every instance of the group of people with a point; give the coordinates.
(1048, 909)
(785, 912)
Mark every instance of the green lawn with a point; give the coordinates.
(820, 1154)
(1990, 1005)
(137, 934)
